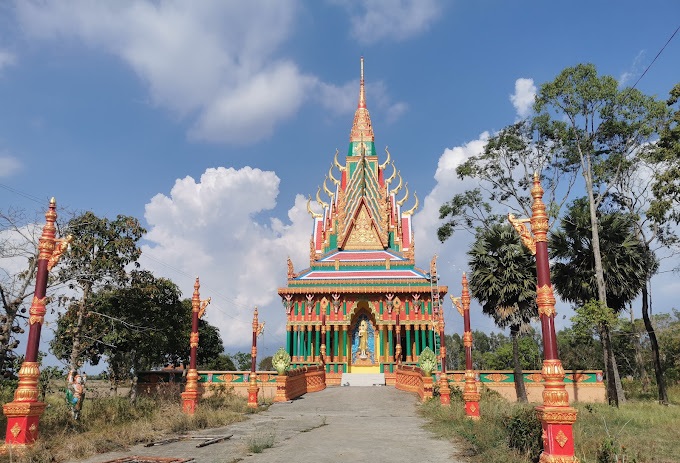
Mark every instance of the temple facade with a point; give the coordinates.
(362, 306)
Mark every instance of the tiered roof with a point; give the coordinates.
(362, 239)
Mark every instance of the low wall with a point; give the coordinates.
(411, 379)
(300, 381)
(582, 385)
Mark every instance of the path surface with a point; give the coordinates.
(339, 424)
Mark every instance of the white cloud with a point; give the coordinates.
(376, 20)
(213, 62)
(6, 59)
(524, 96)
(208, 229)
(9, 166)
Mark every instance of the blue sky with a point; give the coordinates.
(212, 121)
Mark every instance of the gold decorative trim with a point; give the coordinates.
(545, 300)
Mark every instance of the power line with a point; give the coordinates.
(655, 58)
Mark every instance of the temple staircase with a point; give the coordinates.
(362, 379)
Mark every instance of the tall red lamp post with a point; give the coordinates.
(444, 389)
(252, 387)
(470, 394)
(556, 416)
(23, 413)
(191, 393)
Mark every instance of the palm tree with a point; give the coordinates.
(503, 280)
(627, 264)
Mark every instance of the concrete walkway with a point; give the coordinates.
(339, 424)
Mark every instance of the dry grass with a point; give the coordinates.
(109, 424)
(640, 431)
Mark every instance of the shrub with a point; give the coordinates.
(524, 433)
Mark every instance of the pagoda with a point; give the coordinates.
(362, 306)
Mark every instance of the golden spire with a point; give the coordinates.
(362, 130)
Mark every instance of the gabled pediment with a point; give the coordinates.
(363, 231)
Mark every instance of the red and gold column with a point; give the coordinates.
(252, 387)
(470, 394)
(444, 389)
(23, 413)
(557, 417)
(323, 338)
(191, 393)
(397, 348)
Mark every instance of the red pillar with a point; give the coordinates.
(557, 417)
(470, 394)
(191, 393)
(252, 387)
(23, 413)
(444, 389)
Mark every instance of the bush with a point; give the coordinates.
(524, 433)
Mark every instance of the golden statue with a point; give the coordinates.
(363, 339)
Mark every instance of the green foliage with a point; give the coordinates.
(261, 442)
(222, 362)
(627, 263)
(579, 350)
(503, 277)
(666, 183)
(524, 432)
(242, 360)
(266, 364)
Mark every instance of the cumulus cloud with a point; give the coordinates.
(209, 229)
(524, 96)
(9, 166)
(376, 20)
(214, 63)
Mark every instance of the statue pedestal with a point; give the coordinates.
(444, 390)
(22, 422)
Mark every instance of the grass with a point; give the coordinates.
(261, 441)
(109, 424)
(640, 431)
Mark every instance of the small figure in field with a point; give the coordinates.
(75, 392)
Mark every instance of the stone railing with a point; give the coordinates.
(300, 381)
(410, 378)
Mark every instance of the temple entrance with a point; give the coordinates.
(364, 341)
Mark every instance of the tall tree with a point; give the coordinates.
(626, 263)
(595, 127)
(503, 280)
(504, 173)
(97, 258)
(18, 244)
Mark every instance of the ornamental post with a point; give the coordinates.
(397, 349)
(556, 416)
(470, 394)
(252, 387)
(323, 337)
(191, 393)
(444, 389)
(23, 413)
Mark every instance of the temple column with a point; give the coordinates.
(294, 350)
(409, 354)
(416, 335)
(390, 347)
(289, 339)
(344, 344)
(317, 335)
(381, 330)
(303, 343)
(423, 333)
(336, 345)
(431, 332)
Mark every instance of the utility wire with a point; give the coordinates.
(657, 55)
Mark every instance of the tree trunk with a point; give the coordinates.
(658, 371)
(612, 397)
(614, 387)
(639, 362)
(77, 334)
(520, 390)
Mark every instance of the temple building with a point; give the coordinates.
(362, 306)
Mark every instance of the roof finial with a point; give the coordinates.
(362, 93)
